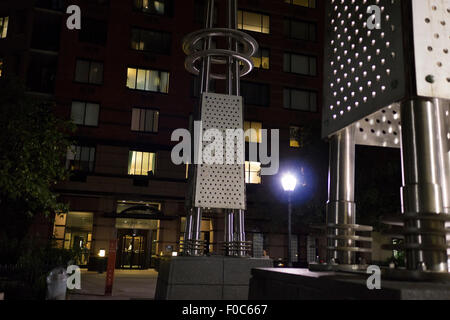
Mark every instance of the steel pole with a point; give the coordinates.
(188, 232)
(239, 231)
(230, 88)
(443, 107)
(229, 224)
(422, 201)
(206, 65)
(341, 195)
(289, 230)
(196, 234)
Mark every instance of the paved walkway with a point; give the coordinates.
(128, 285)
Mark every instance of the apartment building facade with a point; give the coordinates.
(122, 81)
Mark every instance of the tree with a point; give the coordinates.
(33, 144)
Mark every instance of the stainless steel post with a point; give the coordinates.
(229, 225)
(444, 151)
(443, 107)
(206, 65)
(188, 232)
(239, 232)
(289, 230)
(230, 47)
(196, 234)
(341, 196)
(422, 202)
(236, 67)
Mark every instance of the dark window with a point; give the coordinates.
(41, 72)
(46, 31)
(93, 31)
(303, 100)
(99, 2)
(255, 93)
(300, 30)
(300, 64)
(80, 158)
(153, 41)
(144, 120)
(50, 4)
(89, 72)
(20, 25)
(85, 113)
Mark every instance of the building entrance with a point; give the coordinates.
(133, 249)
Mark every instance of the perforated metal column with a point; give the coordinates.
(364, 69)
(221, 186)
(431, 47)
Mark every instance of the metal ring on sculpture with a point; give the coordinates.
(193, 58)
(219, 56)
(193, 38)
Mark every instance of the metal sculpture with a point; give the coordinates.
(388, 84)
(219, 186)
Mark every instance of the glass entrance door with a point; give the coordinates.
(132, 248)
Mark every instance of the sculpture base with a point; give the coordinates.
(302, 284)
(206, 278)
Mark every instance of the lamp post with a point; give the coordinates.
(289, 182)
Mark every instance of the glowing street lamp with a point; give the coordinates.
(289, 182)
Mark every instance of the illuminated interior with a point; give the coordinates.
(252, 172)
(141, 163)
(73, 230)
(252, 21)
(253, 132)
(3, 27)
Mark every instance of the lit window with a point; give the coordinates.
(302, 3)
(153, 41)
(261, 59)
(141, 163)
(253, 132)
(144, 120)
(73, 230)
(252, 21)
(148, 80)
(150, 6)
(302, 100)
(300, 30)
(80, 158)
(85, 113)
(3, 27)
(252, 172)
(89, 72)
(295, 134)
(300, 64)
